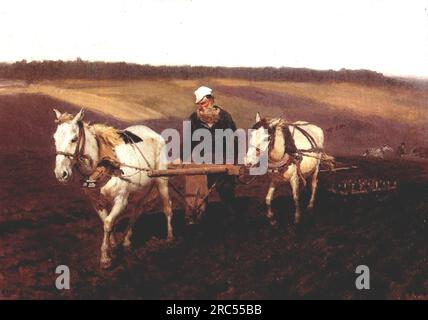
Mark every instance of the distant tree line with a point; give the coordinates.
(79, 69)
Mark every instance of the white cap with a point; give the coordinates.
(202, 92)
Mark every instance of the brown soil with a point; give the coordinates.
(44, 224)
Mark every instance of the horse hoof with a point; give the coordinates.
(106, 265)
(127, 247)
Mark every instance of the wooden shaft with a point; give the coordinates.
(189, 172)
(202, 170)
(339, 169)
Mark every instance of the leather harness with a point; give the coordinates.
(282, 165)
(78, 157)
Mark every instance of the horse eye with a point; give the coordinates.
(74, 140)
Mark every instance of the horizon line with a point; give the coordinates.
(385, 74)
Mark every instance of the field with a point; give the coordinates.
(44, 224)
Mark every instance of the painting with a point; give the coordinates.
(96, 202)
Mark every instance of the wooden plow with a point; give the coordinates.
(196, 189)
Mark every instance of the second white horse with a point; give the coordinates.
(311, 139)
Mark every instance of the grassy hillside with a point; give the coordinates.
(354, 116)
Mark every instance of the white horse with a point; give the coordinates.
(77, 149)
(377, 152)
(310, 142)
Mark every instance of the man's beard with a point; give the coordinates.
(209, 115)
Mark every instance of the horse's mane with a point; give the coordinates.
(103, 133)
(106, 134)
(265, 122)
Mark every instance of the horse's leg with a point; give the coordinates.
(103, 213)
(119, 205)
(269, 197)
(162, 185)
(113, 242)
(294, 182)
(135, 213)
(127, 239)
(314, 186)
(112, 237)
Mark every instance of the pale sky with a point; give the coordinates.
(389, 36)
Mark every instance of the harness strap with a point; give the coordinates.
(78, 156)
(286, 160)
(309, 137)
(130, 137)
(317, 150)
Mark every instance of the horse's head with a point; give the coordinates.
(258, 140)
(67, 143)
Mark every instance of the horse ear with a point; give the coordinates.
(258, 118)
(57, 113)
(79, 116)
